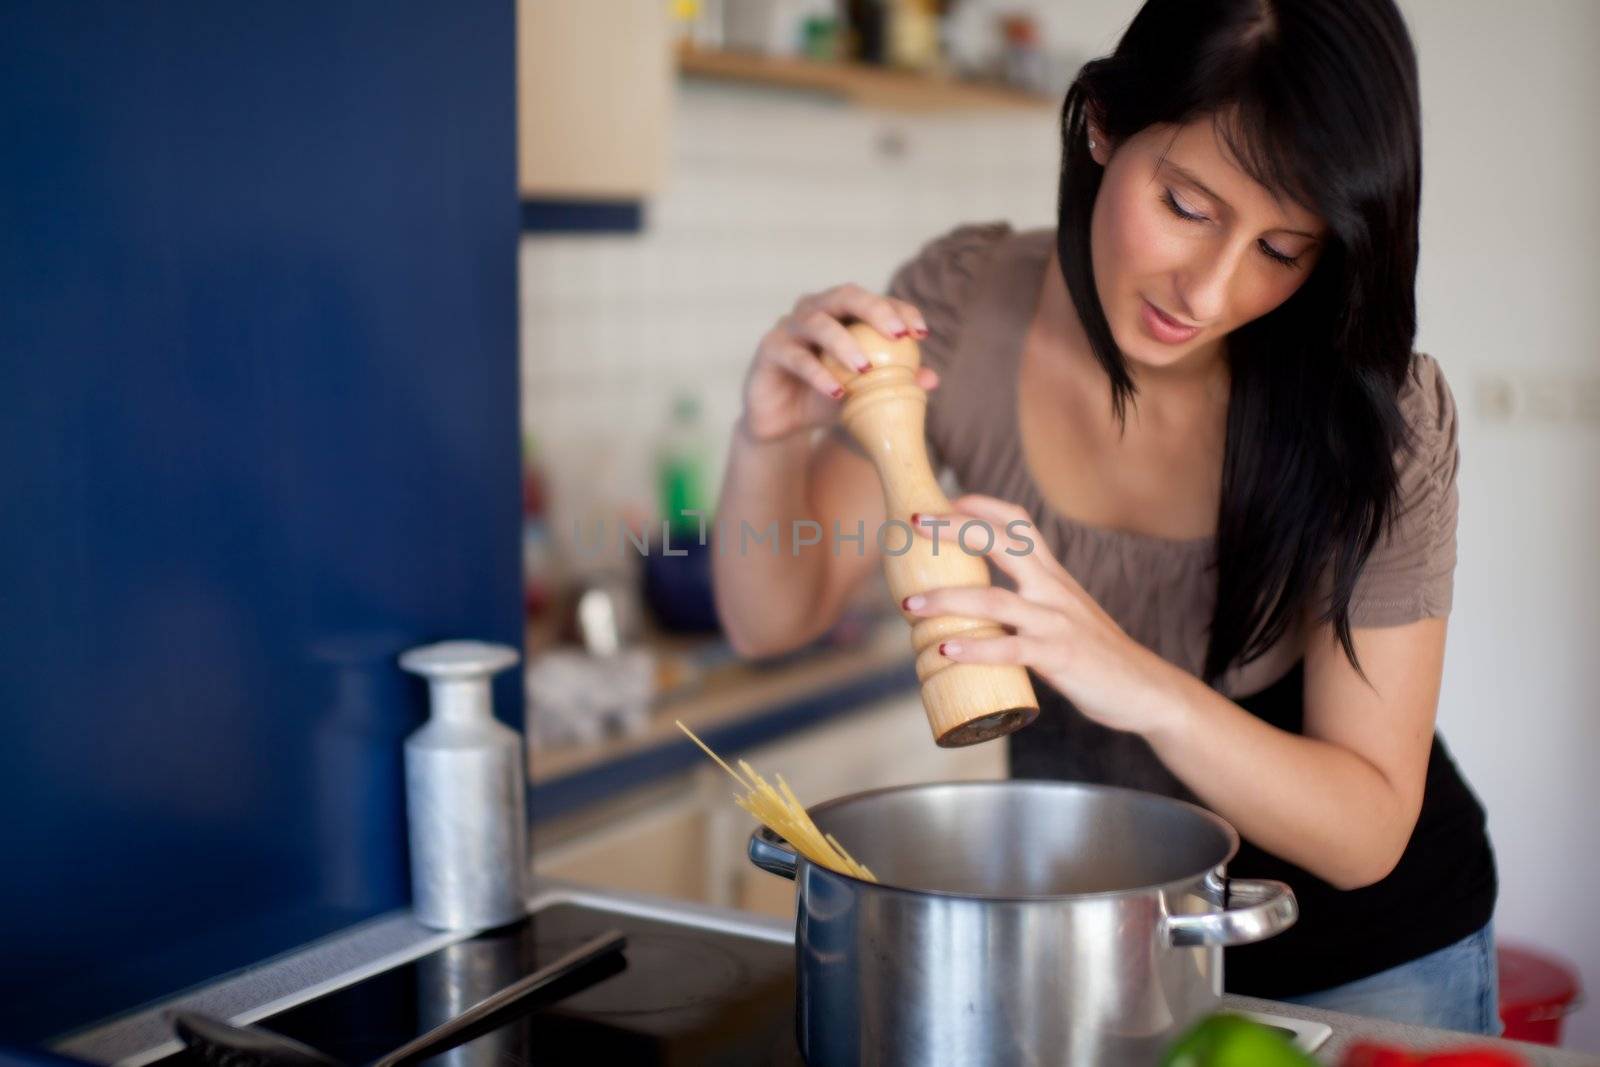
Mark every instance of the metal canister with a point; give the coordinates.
(466, 789)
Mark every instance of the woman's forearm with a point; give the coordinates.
(1312, 802)
(766, 593)
(1345, 811)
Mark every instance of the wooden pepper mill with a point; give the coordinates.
(885, 410)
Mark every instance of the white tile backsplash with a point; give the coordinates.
(770, 195)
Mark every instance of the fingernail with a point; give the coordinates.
(916, 518)
(913, 602)
(949, 648)
(900, 333)
(838, 391)
(921, 331)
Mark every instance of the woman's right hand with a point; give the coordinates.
(787, 389)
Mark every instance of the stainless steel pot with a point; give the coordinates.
(1015, 923)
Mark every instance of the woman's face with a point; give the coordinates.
(1209, 273)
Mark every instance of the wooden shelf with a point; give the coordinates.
(856, 83)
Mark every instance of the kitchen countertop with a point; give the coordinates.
(1349, 1029)
(141, 1036)
(734, 706)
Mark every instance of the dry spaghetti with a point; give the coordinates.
(782, 813)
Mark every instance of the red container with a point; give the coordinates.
(1537, 991)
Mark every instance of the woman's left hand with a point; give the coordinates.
(1054, 626)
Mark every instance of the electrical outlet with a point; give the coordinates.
(1546, 397)
(1547, 400)
(1498, 399)
(1586, 401)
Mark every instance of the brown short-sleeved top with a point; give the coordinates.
(978, 288)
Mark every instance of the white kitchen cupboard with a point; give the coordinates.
(595, 86)
(652, 841)
(686, 838)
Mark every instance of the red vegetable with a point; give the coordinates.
(1366, 1054)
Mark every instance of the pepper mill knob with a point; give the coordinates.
(885, 410)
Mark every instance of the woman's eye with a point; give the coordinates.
(1272, 253)
(1287, 261)
(1178, 209)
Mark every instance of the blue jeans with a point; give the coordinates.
(1455, 988)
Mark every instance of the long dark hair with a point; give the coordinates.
(1323, 108)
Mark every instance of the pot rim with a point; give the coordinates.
(1226, 827)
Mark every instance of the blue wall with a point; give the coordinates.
(258, 433)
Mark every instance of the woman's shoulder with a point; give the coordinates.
(1427, 402)
(1428, 461)
(945, 268)
(1410, 573)
(947, 277)
(964, 242)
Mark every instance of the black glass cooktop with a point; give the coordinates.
(684, 995)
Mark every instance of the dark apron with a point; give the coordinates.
(1442, 890)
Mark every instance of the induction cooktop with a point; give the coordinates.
(692, 990)
(686, 995)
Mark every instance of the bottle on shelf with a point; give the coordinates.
(677, 570)
(683, 460)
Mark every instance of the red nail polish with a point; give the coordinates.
(916, 518)
(941, 648)
(838, 391)
(920, 332)
(902, 334)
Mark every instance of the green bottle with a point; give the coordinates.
(683, 459)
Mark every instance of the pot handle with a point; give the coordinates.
(772, 854)
(1258, 908)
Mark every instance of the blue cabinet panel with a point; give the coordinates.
(258, 433)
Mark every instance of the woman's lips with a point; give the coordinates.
(1162, 328)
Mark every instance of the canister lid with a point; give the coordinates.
(459, 659)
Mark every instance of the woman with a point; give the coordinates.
(1200, 389)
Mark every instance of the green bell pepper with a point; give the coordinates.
(1224, 1040)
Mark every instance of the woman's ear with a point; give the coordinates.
(1098, 148)
(1097, 143)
